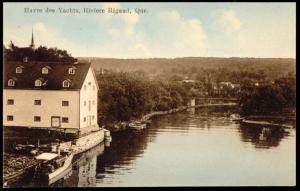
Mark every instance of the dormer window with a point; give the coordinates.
(38, 83)
(19, 70)
(66, 83)
(72, 70)
(11, 82)
(45, 70)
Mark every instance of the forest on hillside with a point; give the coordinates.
(132, 87)
(228, 69)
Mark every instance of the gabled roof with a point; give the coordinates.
(33, 71)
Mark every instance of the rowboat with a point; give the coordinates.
(137, 125)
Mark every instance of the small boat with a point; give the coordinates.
(65, 174)
(26, 149)
(236, 117)
(137, 125)
(53, 165)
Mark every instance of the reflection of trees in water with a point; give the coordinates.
(262, 137)
(124, 148)
(205, 117)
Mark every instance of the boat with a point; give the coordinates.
(65, 174)
(53, 165)
(25, 149)
(236, 117)
(137, 125)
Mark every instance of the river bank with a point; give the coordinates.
(123, 125)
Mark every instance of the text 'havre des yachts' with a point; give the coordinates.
(61, 10)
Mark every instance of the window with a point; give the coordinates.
(65, 119)
(84, 87)
(71, 70)
(84, 103)
(10, 118)
(45, 70)
(38, 83)
(90, 105)
(90, 83)
(10, 102)
(37, 102)
(19, 70)
(93, 87)
(37, 118)
(84, 119)
(11, 82)
(93, 117)
(66, 83)
(93, 102)
(65, 103)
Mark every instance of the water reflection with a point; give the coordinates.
(262, 137)
(124, 149)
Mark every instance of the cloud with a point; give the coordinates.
(230, 20)
(185, 35)
(129, 19)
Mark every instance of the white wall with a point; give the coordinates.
(24, 109)
(89, 94)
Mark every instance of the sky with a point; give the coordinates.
(162, 30)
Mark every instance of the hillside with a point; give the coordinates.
(271, 67)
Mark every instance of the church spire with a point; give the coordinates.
(32, 40)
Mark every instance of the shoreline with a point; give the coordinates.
(123, 125)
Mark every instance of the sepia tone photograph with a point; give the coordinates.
(149, 94)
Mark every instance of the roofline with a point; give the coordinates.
(46, 62)
(95, 77)
(5, 88)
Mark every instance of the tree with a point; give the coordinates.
(42, 53)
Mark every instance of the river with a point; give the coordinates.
(194, 148)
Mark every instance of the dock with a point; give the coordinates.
(265, 123)
(16, 166)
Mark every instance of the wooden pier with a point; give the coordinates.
(265, 123)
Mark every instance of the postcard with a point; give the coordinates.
(149, 94)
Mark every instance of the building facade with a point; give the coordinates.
(50, 96)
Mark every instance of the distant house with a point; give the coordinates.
(188, 81)
(50, 95)
(226, 85)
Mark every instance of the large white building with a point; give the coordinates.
(50, 95)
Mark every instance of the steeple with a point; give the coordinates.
(32, 40)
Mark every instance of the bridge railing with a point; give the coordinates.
(215, 100)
